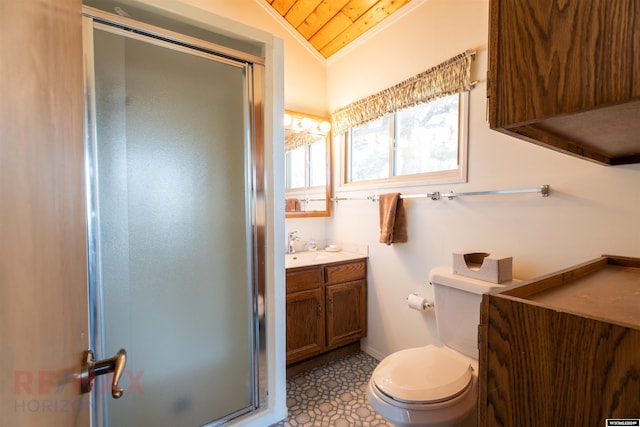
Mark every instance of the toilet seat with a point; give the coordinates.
(423, 375)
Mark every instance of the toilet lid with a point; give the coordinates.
(422, 375)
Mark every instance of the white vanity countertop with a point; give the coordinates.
(303, 259)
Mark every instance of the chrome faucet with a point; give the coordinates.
(291, 248)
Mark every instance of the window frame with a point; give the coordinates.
(309, 170)
(458, 175)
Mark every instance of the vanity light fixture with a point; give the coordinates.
(288, 120)
(325, 127)
(306, 124)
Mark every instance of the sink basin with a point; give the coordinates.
(307, 258)
(302, 259)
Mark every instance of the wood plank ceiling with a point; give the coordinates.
(330, 25)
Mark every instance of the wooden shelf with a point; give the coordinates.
(607, 289)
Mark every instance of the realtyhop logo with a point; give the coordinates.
(43, 391)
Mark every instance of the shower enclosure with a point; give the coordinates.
(176, 211)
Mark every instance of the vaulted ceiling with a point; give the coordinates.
(330, 25)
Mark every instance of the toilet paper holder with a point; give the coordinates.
(417, 302)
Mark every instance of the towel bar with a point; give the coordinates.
(436, 195)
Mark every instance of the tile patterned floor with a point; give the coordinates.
(334, 394)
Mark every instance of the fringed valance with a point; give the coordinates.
(295, 139)
(451, 76)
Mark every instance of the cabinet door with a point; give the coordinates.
(346, 312)
(552, 57)
(541, 366)
(305, 324)
(563, 74)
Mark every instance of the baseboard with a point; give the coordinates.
(321, 359)
(378, 355)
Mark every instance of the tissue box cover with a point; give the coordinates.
(483, 266)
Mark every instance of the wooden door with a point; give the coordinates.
(346, 312)
(305, 324)
(43, 286)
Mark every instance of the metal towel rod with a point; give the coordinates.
(436, 195)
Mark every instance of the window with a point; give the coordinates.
(425, 143)
(306, 166)
(295, 163)
(412, 133)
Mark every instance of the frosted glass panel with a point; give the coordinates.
(174, 232)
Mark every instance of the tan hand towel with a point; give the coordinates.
(292, 205)
(393, 221)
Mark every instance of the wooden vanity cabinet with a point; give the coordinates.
(326, 308)
(305, 313)
(346, 299)
(562, 349)
(564, 74)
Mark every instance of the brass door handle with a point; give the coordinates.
(92, 368)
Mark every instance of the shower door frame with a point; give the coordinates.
(254, 183)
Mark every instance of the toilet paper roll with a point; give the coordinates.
(416, 302)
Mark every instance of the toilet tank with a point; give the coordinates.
(457, 304)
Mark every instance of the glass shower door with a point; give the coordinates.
(172, 235)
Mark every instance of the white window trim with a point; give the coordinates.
(416, 180)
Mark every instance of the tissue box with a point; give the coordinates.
(483, 266)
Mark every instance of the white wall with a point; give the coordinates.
(592, 209)
(304, 68)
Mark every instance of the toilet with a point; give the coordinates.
(436, 386)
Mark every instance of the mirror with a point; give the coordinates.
(307, 146)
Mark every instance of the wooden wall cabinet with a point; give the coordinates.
(326, 308)
(565, 74)
(562, 349)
